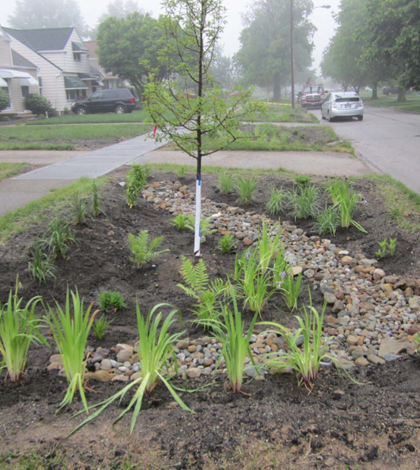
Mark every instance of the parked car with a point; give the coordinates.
(119, 100)
(342, 104)
(312, 96)
(390, 90)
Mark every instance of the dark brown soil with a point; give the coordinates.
(275, 425)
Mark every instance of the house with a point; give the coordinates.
(62, 62)
(108, 78)
(18, 76)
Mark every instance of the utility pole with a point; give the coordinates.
(291, 52)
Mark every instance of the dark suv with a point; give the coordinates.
(119, 100)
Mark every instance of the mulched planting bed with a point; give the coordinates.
(276, 424)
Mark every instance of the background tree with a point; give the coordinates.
(193, 28)
(125, 44)
(29, 14)
(4, 99)
(222, 69)
(393, 29)
(264, 55)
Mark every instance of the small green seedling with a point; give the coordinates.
(226, 244)
(387, 247)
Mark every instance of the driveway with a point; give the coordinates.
(388, 140)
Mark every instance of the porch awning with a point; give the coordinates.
(77, 47)
(74, 83)
(3, 83)
(88, 76)
(9, 73)
(28, 82)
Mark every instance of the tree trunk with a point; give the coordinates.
(276, 88)
(401, 95)
(375, 91)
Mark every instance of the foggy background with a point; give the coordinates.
(322, 18)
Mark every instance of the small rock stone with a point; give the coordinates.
(99, 375)
(193, 372)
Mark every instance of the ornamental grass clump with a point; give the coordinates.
(252, 281)
(40, 265)
(136, 179)
(303, 201)
(70, 328)
(143, 252)
(60, 236)
(156, 357)
(226, 244)
(346, 201)
(19, 328)
(226, 182)
(230, 331)
(268, 248)
(291, 289)
(327, 221)
(79, 209)
(96, 199)
(305, 360)
(245, 188)
(276, 201)
(101, 325)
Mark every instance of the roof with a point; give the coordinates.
(77, 47)
(20, 61)
(92, 47)
(45, 39)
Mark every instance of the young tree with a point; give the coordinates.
(31, 14)
(194, 27)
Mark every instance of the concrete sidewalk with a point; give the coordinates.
(16, 192)
(315, 163)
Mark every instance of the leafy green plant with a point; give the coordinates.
(230, 331)
(96, 199)
(70, 328)
(226, 182)
(306, 361)
(136, 179)
(79, 209)
(302, 180)
(245, 187)
(198, 286)
(267, 248)
(387, 247)
(179, 221)
(303, 201)
(59, 237)
(19, 328)
(227, 244)
(346, 200)
(181, 171)
(276, 201)
(109, 300)
(155, 349)
(291, 288)
(143, 251)
(100, 326)
(205, 229)
(40, 264)
(327, 221)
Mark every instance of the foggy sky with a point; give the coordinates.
(322, 18)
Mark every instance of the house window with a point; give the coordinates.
(25, 91)
(75, 94)
(77, 56)
(40, 85)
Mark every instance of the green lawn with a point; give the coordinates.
(11, 169)
(278, 138)
(35, 146)
(71, 133)
(283, 113)
(412, 104)
(135, 116)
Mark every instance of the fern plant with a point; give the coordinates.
(195, 276)
(205, 229)
(143, 252)
(179, 222)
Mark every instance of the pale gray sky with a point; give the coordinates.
(322, 18)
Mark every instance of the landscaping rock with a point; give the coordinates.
(99, 375)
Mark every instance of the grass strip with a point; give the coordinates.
(11, 169)
(15, 222)
(35, 146)
(72, 133)
(402, 203)
(135, 116)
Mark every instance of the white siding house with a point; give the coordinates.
(62, 61)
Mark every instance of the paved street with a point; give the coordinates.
(388, 140)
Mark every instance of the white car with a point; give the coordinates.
(342, 104)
